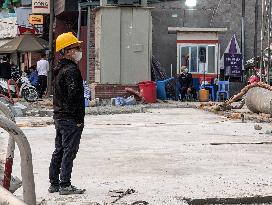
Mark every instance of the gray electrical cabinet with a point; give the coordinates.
(123, 43)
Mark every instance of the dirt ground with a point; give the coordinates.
(163, 154)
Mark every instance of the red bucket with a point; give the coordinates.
(148, 91)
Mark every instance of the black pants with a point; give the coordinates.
(66, 146)
(183, 92)
(42, 85)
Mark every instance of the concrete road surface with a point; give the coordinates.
(164, 155)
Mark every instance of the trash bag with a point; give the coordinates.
(130, 100)
(120, 101)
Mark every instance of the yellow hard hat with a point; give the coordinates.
(66, 39)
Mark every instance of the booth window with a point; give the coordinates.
(193, 65)
(198, 57)
(185, 56)
(211, 59)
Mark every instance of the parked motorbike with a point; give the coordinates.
(19, 88)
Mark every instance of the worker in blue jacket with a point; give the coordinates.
(33, 78)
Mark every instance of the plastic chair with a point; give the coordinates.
(223, 87)
(196, 83)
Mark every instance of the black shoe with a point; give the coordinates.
(70, 190)
(53, 189)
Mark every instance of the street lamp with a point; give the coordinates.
(190, 3)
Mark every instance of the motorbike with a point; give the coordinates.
(19, 88)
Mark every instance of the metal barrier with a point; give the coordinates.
(26, 159)
(8, 198)
(10, 149)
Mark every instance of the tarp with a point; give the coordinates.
(24, 43)
(4, 41)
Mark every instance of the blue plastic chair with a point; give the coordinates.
(196, 83)
(223, 87)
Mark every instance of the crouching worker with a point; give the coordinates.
(69, 112)
(186, 81)
(33, 78)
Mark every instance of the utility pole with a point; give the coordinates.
(88, 44)
(256, 33)
(262, 39)
(51, 47)
(243, 31)
(79, 21)
(269, 41)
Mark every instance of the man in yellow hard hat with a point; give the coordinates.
(69, 112)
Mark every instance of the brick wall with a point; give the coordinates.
(107, 91)
(83, 62)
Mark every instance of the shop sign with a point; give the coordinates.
(36, 19)
(233, 64)
(40, 6)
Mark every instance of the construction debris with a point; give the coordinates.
(258, 100)
(235, 116)
(258, 127)
(135, 93)
(41, 123)
(140, 203)
(45, 103)
(227, 104)
(243, 200)
(240, 143)
(120, 194)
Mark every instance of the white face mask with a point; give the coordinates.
(77, 56)
(186, 70)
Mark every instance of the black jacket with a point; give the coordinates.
(5, 70)
(68, 100)
(186, 80)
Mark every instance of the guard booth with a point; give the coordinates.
(199, 50)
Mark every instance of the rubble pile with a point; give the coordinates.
(242, 114)
(40, 123)
(233, 110)
(227, 104)
(139, 108)
(45, 103)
